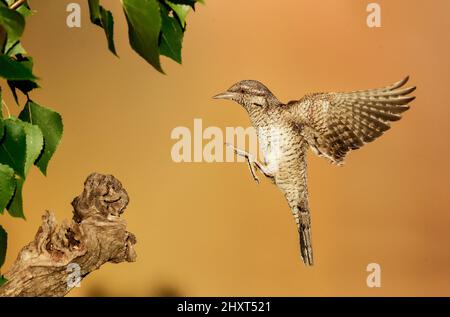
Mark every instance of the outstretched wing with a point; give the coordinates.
(335, 123)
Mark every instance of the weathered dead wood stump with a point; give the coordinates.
(95, 235)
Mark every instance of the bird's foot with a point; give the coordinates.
(252, 163)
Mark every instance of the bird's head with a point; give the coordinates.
(249, 94)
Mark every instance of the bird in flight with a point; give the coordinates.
(330, 124)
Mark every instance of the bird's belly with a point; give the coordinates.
(269, 142)
(272, 160)
(279, 146)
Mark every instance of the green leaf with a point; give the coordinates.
(3, 280)
(15, 206)
(103, 18)
(14, 23)
(21, 145)
(94, 12)
(190, 3)
(2, 125)
(51, 125)
(144, 26)
(3, 245)
(171, 36)
(25, 86)
(2, 38)
(13, 148)
(181, 10)
(108, 26)
(16, 49)
(11, 69)
(7, 186)
(1, 112)
(35, 144)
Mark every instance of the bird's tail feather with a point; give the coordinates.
(306, 245)
(303, 219)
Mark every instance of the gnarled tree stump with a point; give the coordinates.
(49, 265)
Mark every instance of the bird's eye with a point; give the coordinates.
(241, 91)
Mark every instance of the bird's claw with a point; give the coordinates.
(250, 161)
(256, 179)
(253, 171)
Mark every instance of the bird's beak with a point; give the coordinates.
(225, 95)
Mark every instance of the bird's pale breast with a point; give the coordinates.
(282, 146)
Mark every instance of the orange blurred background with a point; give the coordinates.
(206, 229)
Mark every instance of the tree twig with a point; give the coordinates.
(17, 4)
(60, 254)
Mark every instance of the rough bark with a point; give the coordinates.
(48, 265)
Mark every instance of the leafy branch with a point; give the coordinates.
(155, 28)
(32, 137)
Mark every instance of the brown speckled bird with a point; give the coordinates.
(331, 124)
